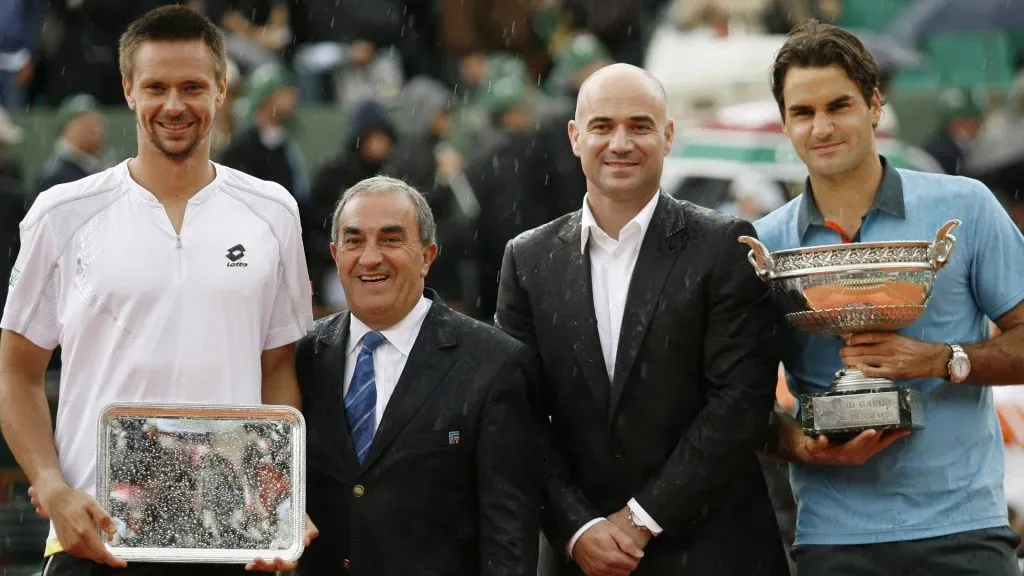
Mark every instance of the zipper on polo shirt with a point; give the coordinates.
(181, 258)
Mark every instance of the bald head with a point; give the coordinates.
(622, 133)
(621, 75)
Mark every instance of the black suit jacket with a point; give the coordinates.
(693, 389)
(448, 486)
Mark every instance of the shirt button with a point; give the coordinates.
(358, 490)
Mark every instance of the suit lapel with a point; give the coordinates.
(332, 369)
(429, 361)
(586, 341)
(661, 246)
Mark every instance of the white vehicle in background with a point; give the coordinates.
(741, 155)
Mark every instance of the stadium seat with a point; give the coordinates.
(874, 15)
(973, 59)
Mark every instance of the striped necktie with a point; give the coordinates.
(361, 400)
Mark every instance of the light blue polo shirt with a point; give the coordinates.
(947, 477)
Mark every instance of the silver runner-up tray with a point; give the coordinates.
(202, 483)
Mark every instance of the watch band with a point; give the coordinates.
(958, 354)
(634, 521)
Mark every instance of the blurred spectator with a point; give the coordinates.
(363, 49)
(619, 24)
(706, 17)
(20, 22)
(372, 74)
(889, 123)
(426, 160)
(559, 176)
(472, 68)
(753, 196)
(79, 148)
(264, 148)
(367, 144)
(84, 57)
(519, 162)
(224, 124)
(13, 202)
(504, 96)
(483, 26)
(575, 62)
(256, 31)
(508, 180)
(996, 156)
(961, 121)
(781, 15)
(721, 18)
(827, 10)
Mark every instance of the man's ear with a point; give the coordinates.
(222, 92)
(126, 85)
(670, 135)
(430, 252)
(876, 108)
(574, 136)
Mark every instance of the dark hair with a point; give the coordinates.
(171, 24)
(813, 44)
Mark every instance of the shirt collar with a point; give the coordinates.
(402, 335)
(146, 196)
(642, 219)
(888, 199)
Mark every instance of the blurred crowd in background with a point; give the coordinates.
(468, 101)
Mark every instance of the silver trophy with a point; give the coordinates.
(202, 482)
(843, 289)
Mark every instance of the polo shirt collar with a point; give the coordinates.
(888, 199)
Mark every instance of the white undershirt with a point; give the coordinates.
(611, 268)
(390, 355)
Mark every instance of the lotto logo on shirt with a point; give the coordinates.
(236, 253)
(15, 275)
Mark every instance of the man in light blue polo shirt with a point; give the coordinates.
(930, 502)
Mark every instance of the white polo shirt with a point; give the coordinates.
(144, 314)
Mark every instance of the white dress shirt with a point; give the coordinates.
(611, 268)
(390, 355)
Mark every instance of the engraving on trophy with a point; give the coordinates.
(870, 410)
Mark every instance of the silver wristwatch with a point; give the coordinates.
(959, 366)
(636, 521)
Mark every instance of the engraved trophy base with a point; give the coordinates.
(855, 403)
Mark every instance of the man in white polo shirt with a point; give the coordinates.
(167, 278)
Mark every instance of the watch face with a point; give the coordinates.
(960, 368)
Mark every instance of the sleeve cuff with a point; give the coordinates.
(644, 517)
(576, 536)
(286, 335)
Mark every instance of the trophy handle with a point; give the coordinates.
(759, 257)
(942, 248)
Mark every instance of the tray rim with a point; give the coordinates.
(218, 411)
